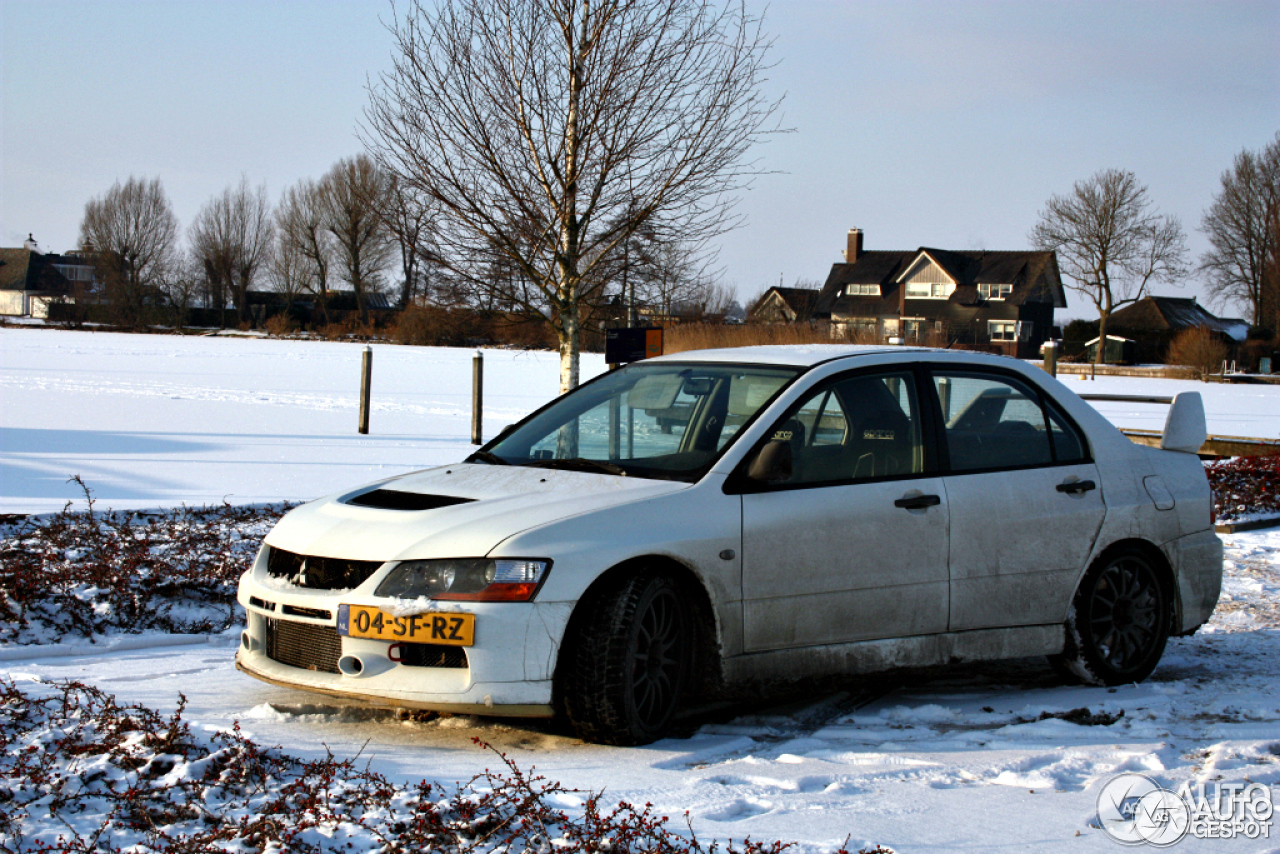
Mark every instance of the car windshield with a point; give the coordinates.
(661, 420)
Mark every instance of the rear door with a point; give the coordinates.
(1025, 500)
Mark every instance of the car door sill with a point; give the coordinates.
(877, 655)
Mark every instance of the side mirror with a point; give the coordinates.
(772, 463)
(1184, 427)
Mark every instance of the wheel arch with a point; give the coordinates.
(707, 671)
(1158, 560)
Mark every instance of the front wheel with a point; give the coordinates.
(628, 662)
(1119, 622)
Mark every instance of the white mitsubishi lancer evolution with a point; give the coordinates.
(707, 520)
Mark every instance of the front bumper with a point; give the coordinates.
(507, 672)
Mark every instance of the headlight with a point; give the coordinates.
(468, 579)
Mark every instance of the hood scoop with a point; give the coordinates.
(392, 499)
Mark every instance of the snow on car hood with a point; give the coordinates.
(501, 501)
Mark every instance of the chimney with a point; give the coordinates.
(854, 248)
(30, 244)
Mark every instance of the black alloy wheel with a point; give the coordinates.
(627, 662)
(657, 656)
(1120, 621)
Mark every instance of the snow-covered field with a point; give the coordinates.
(162, 420)
(978, 758)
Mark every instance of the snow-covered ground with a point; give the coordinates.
(967, 759)
(163, 420)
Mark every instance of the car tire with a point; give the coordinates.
(1119, 622)
(629, 662)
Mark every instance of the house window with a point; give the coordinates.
(1010, 330)
(862, 290)
(1003, 330)
(929, 290)
(996, 291)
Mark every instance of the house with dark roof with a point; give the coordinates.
(1173, 315)
(785, 305)
(29, 278)
(997, 301)
(1152, 322)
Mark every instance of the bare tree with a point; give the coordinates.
(182, 285)
(1111, 245)
(354, 195)
(232, 238)
(133, 232)
(1237, 227)
(587, 116)
(305, 241)
(410, 217)
(1270, 309)
(290, 272)
(675, 276)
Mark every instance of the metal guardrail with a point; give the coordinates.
(1214, 446)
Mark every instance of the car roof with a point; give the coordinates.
(798, 355)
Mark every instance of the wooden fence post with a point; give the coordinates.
(477, 397)
(366, 380)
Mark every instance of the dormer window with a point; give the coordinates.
(1001, 291)
(929, 290)
(862, 290)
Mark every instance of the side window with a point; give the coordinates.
(995, 422)
(1068, 444)
(823, 419)
(858, 428)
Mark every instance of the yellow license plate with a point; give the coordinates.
(360, 621)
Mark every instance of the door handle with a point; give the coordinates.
(1076, 487)
(918, 502)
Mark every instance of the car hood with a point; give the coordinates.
(497, 502)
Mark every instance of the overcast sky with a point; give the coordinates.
(942, 124)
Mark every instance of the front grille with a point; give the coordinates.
(304, 645)
(319, 573)
(313, 613)
(430, 655)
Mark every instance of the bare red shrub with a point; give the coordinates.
(1245, 486)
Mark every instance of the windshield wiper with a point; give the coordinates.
(579, 464)
(486, 457)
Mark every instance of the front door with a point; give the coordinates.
(852, 545)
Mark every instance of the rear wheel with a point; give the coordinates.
(1119, 622)
(628, 662)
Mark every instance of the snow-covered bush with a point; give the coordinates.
(1245, 486)
(81, 773)
(83, 574)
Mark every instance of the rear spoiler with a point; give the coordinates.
(1185, 429)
